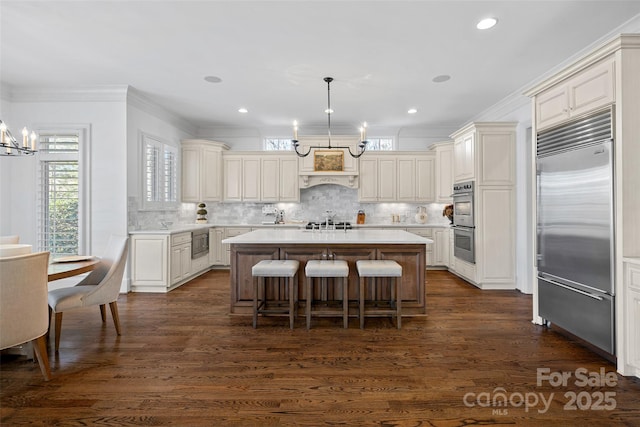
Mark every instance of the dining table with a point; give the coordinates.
(61, 270)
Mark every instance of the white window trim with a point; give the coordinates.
(163, 205)
(84, 178)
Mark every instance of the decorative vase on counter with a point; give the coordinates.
(421, 216)
(202, 214)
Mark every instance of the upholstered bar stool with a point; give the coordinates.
(267, 271)
(380, 269)
(323, 269)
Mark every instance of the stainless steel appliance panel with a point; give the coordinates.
(464, 243)
(199, 243)
(575, 215)
(589, 316)
(463, 209)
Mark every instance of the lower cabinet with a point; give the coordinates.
(162, 262)
(441, 247)
(632, 317)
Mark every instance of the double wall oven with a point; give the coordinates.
(463, 222)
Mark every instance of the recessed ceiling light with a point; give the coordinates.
(486, 23)
(213, 79)
(441, 78)
(242, 110)
(412, 111)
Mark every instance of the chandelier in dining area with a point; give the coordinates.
(9, 145)
(362, 145)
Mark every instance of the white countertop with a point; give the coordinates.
(181, 228)
(357, 236)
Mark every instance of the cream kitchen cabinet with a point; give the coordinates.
(485, 152)
(180, 258)
(202, 170)
(444, 171)
(441, 247)
(632, 297)
(279, 178)
(464, 157)
(260, 177)
(377, 178)
(217, 252)
(586, 91)
(397, 177)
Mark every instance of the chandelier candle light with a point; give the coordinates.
(362, 146)
(9, 145)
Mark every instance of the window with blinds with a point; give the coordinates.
(160, 174)
(59, 194)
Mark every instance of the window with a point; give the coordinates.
(280, 144)
(160, 174)
(277, 144)
(380, 144)
(62, 218)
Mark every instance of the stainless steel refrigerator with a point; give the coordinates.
(575, 229)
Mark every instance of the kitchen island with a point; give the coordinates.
(407, 249)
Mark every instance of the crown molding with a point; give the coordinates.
(111, 93)
(136, 99)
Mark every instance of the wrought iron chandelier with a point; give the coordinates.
(362, 145)
(9, 145)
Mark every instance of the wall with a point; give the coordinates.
(108, 175)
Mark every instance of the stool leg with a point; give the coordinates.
(361, 302)
(345, 302)
(309, 291)
(292, 304)
(398, 285)
(255, 302)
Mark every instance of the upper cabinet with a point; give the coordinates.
(444, 171)
(202, 170)
(586, 91)
(485, 153)
(260, 177)
(397, 177)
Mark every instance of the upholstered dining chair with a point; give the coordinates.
(100, 287)
(8, 240)
(23, 304)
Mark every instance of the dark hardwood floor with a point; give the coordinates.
(183, 361)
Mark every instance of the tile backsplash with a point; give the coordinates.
(314, 202)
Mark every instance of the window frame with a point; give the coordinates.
(83, 157)
(162, 204)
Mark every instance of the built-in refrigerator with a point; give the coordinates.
(575, 255)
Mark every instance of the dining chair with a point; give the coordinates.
(100, 287)
(7, 240)
(23, 304)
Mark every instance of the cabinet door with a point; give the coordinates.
(496, 158)
(592, 88)
(413, 267)
(289, 187)
(444, 173)
(270, 183)
(406, 179)
(464, 155)
(368, 191)
(176, 263)
(387, 180)
(233, 179)
(185, 261)
(425, 179)
(441, 247)
(251, 172)
(552, 106)
(150, 259)
(190, 175)
(211, 176)
(216, 249)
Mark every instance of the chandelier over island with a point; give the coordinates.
(9, 146)
(362, 146)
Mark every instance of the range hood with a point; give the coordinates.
(333, 166)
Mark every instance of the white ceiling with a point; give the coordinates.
(273, 55)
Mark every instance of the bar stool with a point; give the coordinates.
(324, 269)
(275, 269)
(379, 269)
